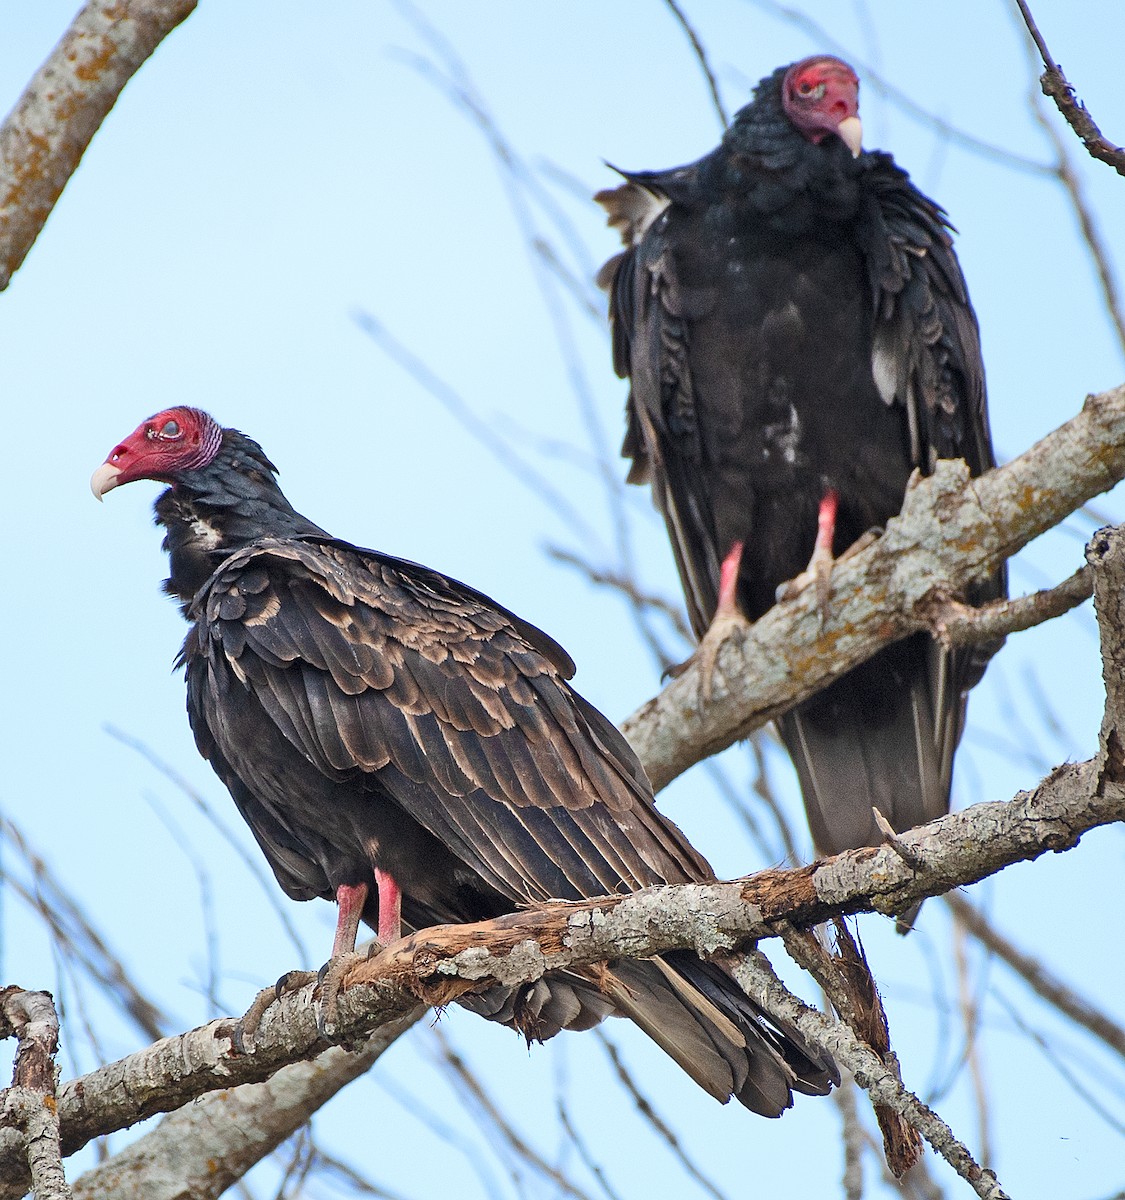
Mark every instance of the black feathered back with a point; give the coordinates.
(793, 319)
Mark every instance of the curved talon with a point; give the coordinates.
(728, 617)
(330, 979)
(726, 622)
(242, 1035)
(290, 982)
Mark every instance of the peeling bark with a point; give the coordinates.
(28, 1108)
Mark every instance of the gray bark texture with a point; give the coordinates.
(29, 1104)
(199, 1150)
(46, 134)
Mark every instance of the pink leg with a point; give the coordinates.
(351, 898)
(728, 578)
(728, 617)
(819, 570)
(390, 908)
(826, 522)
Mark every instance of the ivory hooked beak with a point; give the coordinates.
(850, 132)
(104, 479)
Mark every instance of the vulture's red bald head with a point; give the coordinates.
(821, 96)
(177, 439)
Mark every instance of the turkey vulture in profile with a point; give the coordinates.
(799, 338)
(400, 743)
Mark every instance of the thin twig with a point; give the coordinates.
(876, 1076)
(662, 1128)
(853, 1136)
(585, 1155)
(499, 1123)
(252, 864)
(1041, 980)
(1071, 183)
(628, 587)
(700, 52)
(1058, 88)
(969, 1004)
(327, 1164)
(479, 429)
(1058, 1059)
(77, 940)
(958, 624)
(433, 1119)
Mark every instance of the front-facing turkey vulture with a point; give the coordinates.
(799, 338)
(398, 742)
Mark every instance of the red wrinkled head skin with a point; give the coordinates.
(818, 93)
(177, 439)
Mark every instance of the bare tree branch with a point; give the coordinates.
(968, 1002)
(46, 134)
(952, 530)
(700, 52)
(878, 1078)
(957, 624)
(29, 1104)
(853, 1137)
(670, 609)
(485, 1108)
(203, 1148)
(659, 1125)
(845, 977)
(1071, 182)
(76, 938)
(1058, 88)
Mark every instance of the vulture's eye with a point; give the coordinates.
(811, 91)
(170, 429)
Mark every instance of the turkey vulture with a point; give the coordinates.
(799, 338)
(400, 743)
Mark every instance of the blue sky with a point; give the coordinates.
(267, 177)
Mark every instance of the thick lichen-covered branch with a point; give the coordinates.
(952, 530)
(45, 135)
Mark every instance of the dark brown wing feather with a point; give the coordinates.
(470, 728)
(351, 701)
